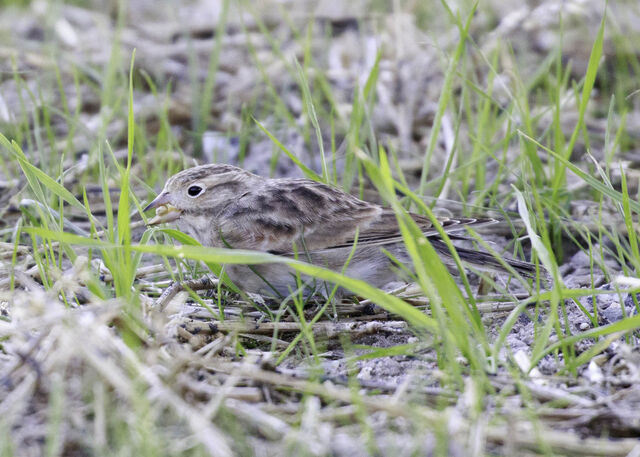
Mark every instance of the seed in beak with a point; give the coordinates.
(165, 213)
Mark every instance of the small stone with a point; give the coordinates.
(612, 314)
(629, 302)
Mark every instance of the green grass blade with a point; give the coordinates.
(34, 176)
(587, 87)
(313, 117)
(216, 268)
(309, 173)
(586, 177)
(445, 96)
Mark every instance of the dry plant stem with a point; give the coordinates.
(562, 443)
(280, 344)
(107, 311)
(22, 277)
(142, 271)
(207, 433)
(6, 250)
(412, 294)
(547, 393)
(327, 329)
(520, 435)
(204, 283)
(483, 308)
(270, 426)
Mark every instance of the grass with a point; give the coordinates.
(138, 390)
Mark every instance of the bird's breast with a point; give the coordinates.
(203, 229)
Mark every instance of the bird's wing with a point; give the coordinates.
(281, 213)
(385, 230)
(278, 214)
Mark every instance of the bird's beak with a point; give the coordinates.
(165, 211)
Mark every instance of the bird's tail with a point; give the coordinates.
(485, 261)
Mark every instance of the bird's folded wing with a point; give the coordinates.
(385, 229)
(282, 213)
(313, 216)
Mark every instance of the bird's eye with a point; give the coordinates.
(194, 191)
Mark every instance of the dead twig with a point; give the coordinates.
(328, 329)
(204, 283)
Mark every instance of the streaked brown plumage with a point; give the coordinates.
(225, 206)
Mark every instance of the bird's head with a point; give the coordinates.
(200, 191)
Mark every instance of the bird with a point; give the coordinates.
(225, 206)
